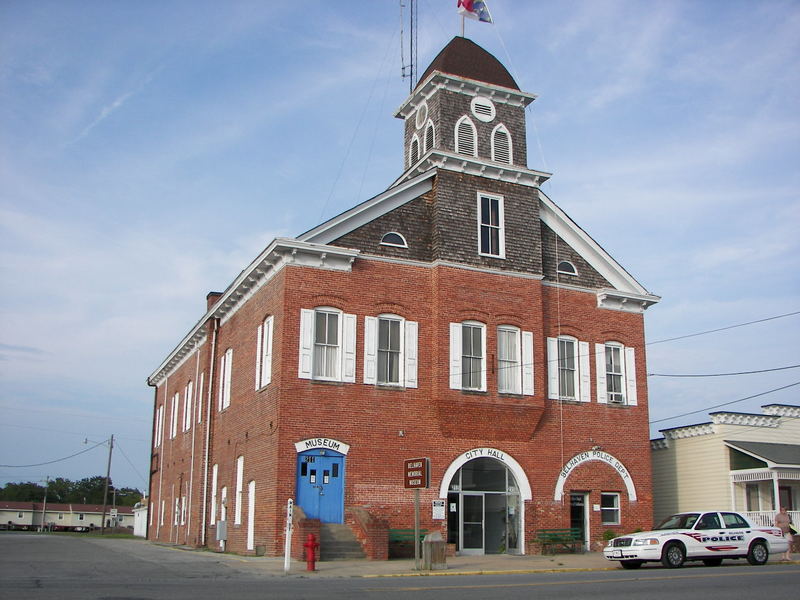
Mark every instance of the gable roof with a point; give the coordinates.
(772, 454)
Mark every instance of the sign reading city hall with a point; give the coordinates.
(415, 472)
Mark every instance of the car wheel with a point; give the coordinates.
(712, 562)
(631, 564)
(758, 554)
(673, 556)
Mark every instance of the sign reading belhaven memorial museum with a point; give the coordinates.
(415, 473)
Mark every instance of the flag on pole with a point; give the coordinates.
(474, 9)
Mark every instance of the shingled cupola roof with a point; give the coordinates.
(464, 58)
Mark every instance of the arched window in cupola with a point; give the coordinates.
(466, 137)
(413, 154)
(501, 145)
(430, 136)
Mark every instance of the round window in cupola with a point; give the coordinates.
(483, 109)
(422, 115)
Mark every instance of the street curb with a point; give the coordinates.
(490, 572)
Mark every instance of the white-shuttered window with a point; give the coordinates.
(616, 374)
(188, 402)
(390, 351)
(264, 352)
(214, 473)
(501, 145)
(327, 345)
(199, 410)
(159, 427)
(514, 360)
(173, 421)
(237, 508)
(466, 137)
(468, 356)
(225, 371)
(568, 369)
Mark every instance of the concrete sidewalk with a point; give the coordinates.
(459, 565)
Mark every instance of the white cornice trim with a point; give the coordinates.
(689, 431)
(659, 444)
(782, 410)
(748, 419)
(279, 253)
(473, 165)
(602, 262)
(470, 87)
(625, 301)
(369, 210)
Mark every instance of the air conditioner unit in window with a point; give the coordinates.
(616, 400)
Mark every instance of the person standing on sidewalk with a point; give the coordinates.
(783, 520)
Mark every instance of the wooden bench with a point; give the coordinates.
(570, 540)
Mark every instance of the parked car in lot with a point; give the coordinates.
(708, 536)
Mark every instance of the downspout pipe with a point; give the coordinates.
(209, 396)
(149, 491)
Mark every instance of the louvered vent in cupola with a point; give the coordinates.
(429, 137)
(483, 109)
(465, 137)
(501, 145)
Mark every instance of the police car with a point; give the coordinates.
(706, 536)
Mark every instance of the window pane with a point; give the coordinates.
(320, 327)
(485, 211)
(383, 334)
(333, 329)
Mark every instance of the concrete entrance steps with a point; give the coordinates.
(337, 542)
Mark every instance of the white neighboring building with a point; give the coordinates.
(62, 517)
(738, 461)
(140, 518)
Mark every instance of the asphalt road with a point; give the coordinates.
(34, 567)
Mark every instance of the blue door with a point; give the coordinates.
(320, 485)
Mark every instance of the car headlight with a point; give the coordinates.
(646, 542)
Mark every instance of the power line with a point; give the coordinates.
(125, 456)
(681, 337)
(50, 462)
(725, 374)
(694, 412)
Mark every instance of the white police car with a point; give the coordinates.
(707, 536)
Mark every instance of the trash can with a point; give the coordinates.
(434, 552)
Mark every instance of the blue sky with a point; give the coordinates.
(149, 150)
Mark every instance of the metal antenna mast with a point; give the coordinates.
(409, 70)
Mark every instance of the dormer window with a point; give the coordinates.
(414, 151)
(394, 239)
(430, 136)
(466, 136)
(483, 109)
(566, 268)
(501, 145)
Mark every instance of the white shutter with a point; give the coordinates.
(228, 377)
(221, 394)
(485, 360)
(630, 375)
(370, 349)
(266, 361)
(552, 368)
(585, 375)
(411, 337)
(259, 335)
(305, 361)
(349, 348)
(455, 356)
(600, 367)
(527, 363)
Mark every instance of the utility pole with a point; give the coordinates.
(44, 503)
(105, 491)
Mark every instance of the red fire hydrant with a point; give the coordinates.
(311, 545)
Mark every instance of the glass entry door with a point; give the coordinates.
(472, 523)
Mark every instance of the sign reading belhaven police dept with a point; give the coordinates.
(415, 472)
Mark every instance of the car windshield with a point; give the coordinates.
(682, 521)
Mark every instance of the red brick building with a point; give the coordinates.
(460, 316)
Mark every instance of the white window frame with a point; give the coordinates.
(581, 374)
(176, 513)
(173, 420)
(456, 356)
(408, 332)
(500, 227)
(628, 374)
(223, 503)
(573, 272)
(346, 365)
(473, 132)
(225, 371)
(200, 397)
(264, 335)
(159, 426)
(251, 514)
(237, 507)
(403, 243)
(615, 509)
(502, 128)
(188, 402)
